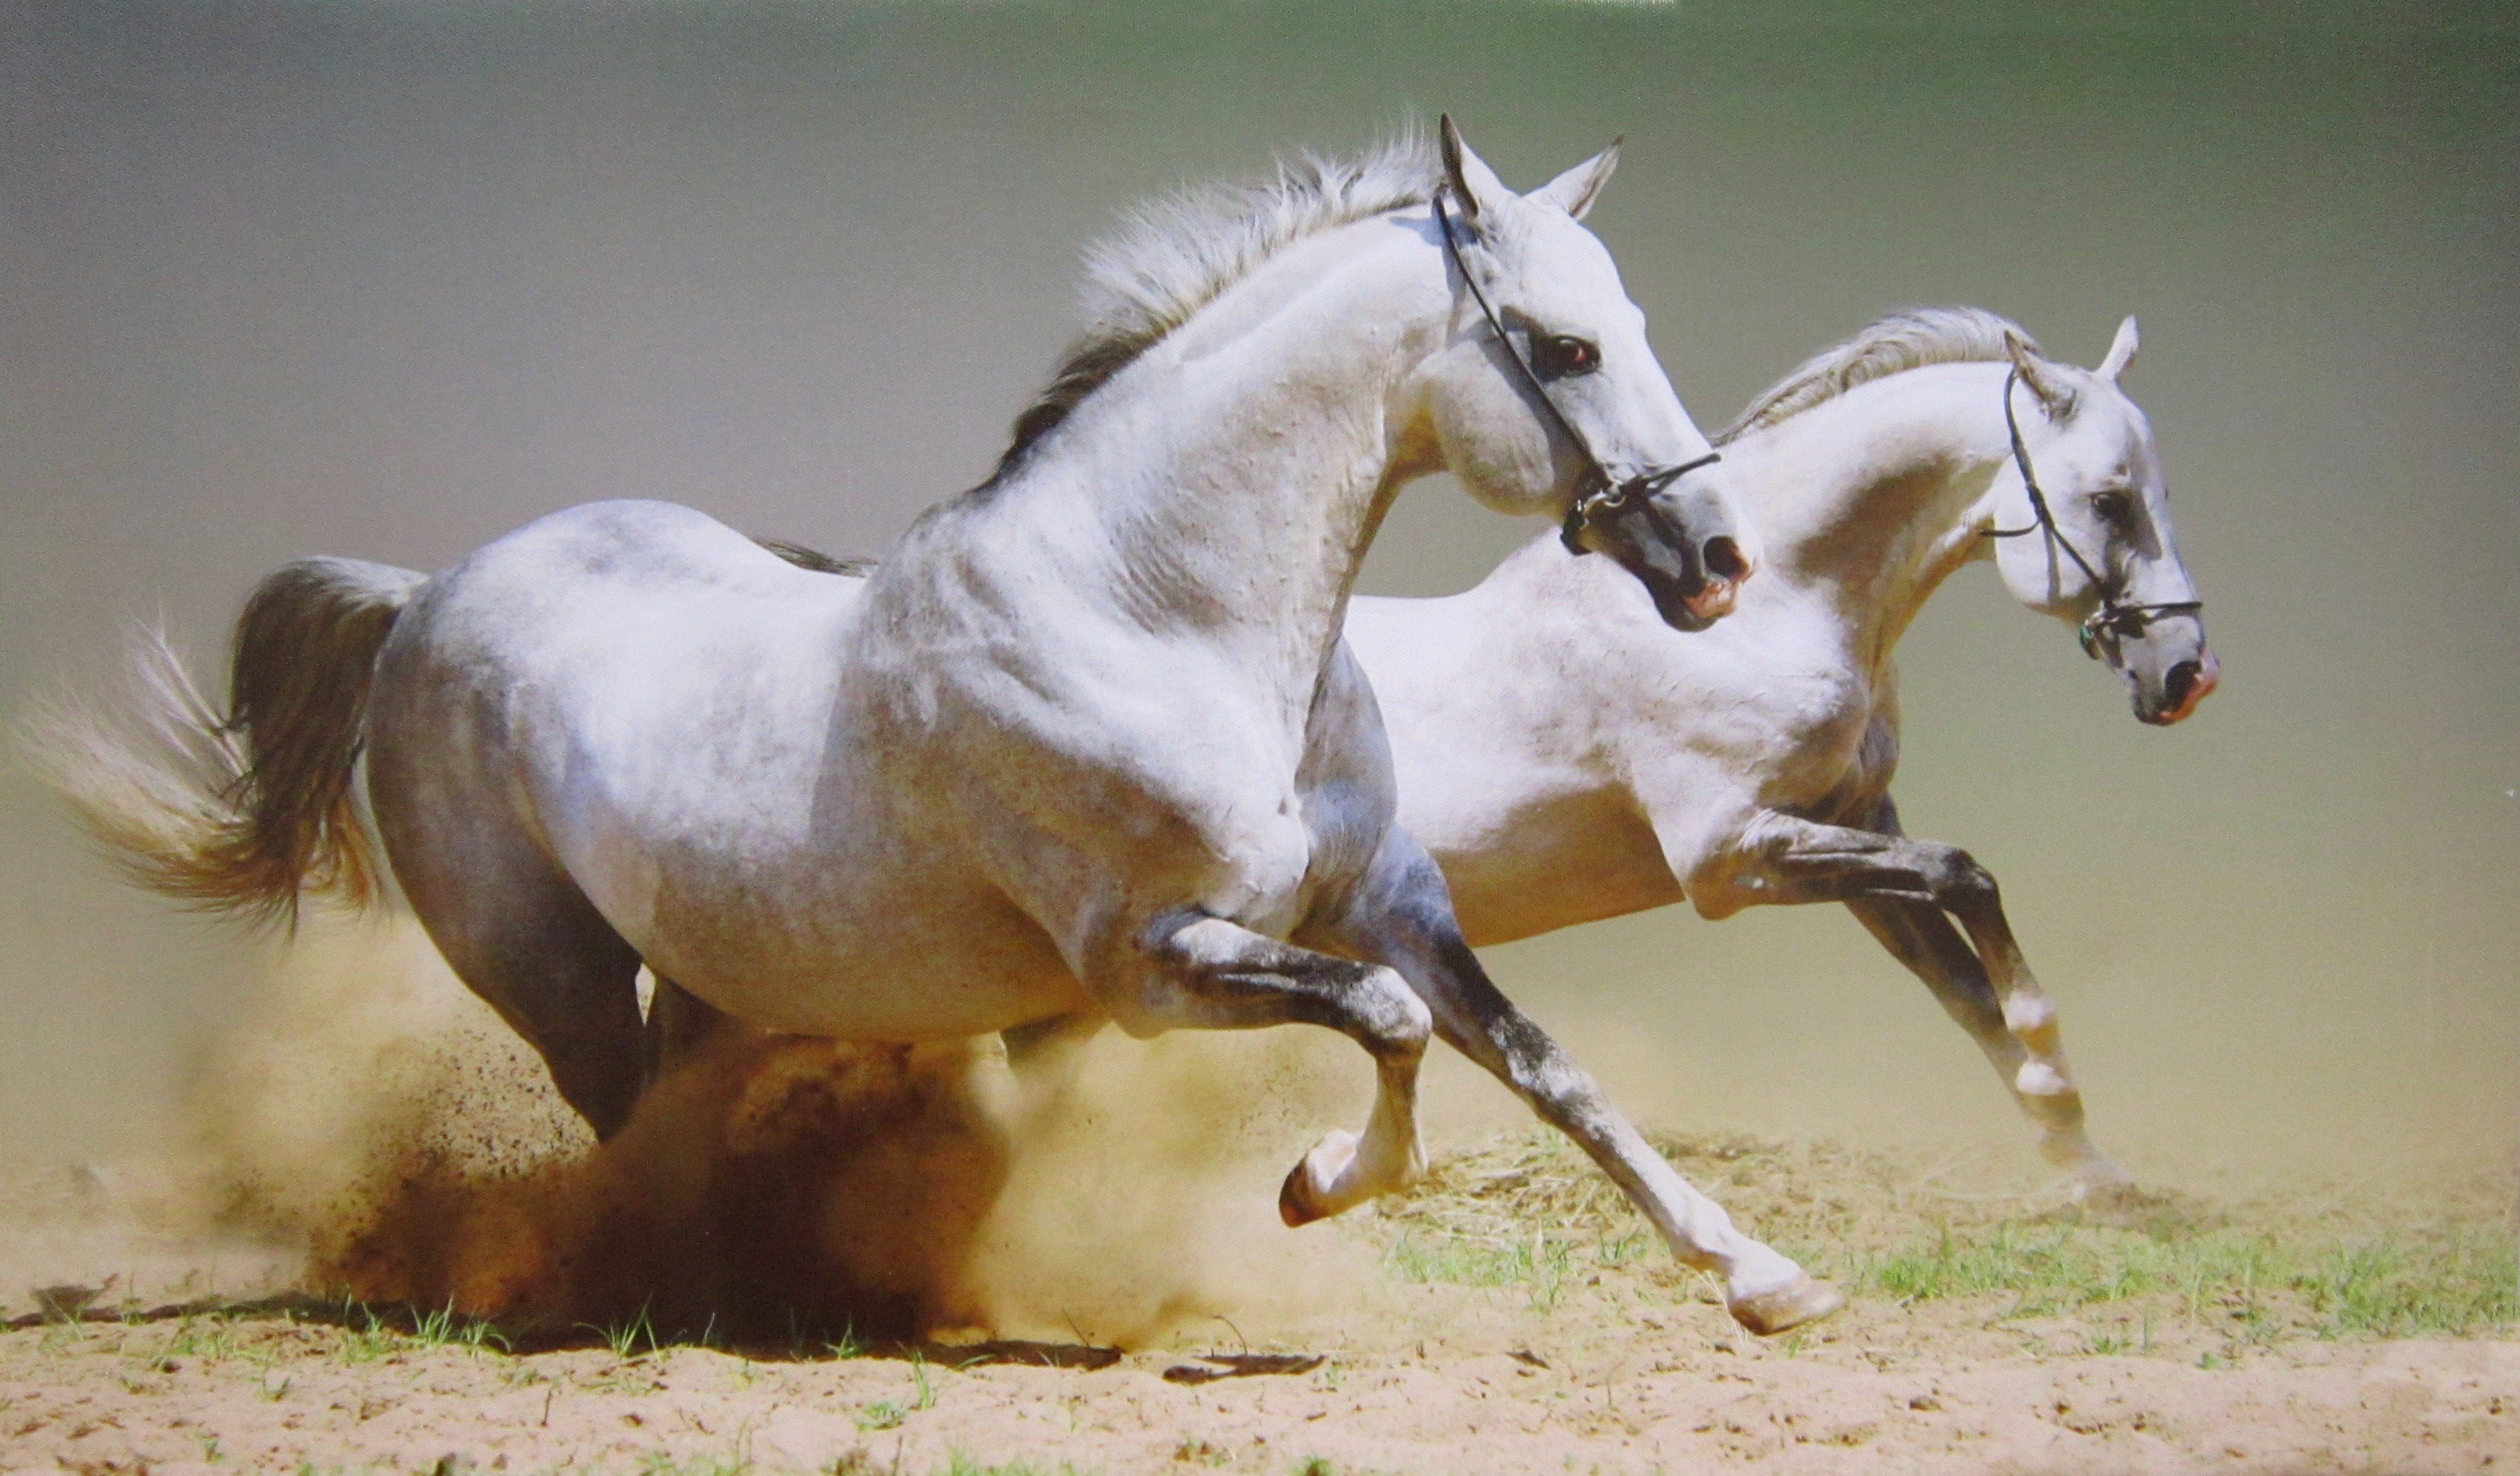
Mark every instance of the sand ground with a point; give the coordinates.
(1456, 1350)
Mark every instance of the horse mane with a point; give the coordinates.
(1890, 344)
(1179, 254)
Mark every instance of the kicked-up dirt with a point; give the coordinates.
(389, 1250)
(1512, 1319)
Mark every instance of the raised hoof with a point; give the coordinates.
(1787, 1307)
(1294, 1203)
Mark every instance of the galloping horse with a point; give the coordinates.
(1086, 745)
(1566, 758)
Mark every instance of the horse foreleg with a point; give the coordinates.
(1407, 919)
(1909, 883)
(1208, 973)
(1921, 937)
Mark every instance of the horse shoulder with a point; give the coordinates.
(1095, 770)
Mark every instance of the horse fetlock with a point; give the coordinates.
(1342, 1172)
(2047, 1091)
(2028, 1013)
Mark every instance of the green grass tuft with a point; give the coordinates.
(2456, 1284)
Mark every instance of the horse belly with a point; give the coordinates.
(1555, 864)
(788, 897)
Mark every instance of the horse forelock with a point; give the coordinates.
(1178, 254)
(1891, 345)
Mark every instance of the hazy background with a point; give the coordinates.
(389, 281)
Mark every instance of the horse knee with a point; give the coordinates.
(1395, 1023)
(1963, 885)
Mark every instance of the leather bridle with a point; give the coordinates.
(1600, 493)
(2119, 618)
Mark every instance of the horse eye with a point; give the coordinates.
(1559, 355)
(2116, 508)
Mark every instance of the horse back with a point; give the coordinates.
(626, 679)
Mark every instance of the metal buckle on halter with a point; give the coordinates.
(2109, 618)
(1607, 496)
(2126, 622)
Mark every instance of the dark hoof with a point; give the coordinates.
(1294, 1206)
(1787, 1307)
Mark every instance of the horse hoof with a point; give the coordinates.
(1296, 1201)
(1786, 1307)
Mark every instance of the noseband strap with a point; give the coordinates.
(2116, 616)
(1601, 492)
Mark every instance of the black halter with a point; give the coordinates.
(2115, 616)
(1600, 492)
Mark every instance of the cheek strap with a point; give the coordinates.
(1600, 492)
(2116, 617)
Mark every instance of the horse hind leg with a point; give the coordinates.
(678, 1023)
(520, 935)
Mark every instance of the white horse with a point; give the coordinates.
(1084, 746)
(1566, 758)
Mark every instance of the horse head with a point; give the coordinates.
(2082, 523)
(1549, 399)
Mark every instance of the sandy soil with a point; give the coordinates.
(1587, 1357)
(372, 1133)
(1665, 1392)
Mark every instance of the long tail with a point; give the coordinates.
(243, 813)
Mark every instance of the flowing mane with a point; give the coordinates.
(1891, 345)
(1180, 254)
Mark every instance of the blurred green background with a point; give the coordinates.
(387, 281)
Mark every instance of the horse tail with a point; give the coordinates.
(241, 813)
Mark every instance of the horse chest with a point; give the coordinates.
(1836, 748)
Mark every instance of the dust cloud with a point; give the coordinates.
(365, 1126)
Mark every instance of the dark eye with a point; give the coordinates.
(1557, 355)
(2117, 508)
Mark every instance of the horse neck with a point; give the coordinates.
(1227, 484)
(1874, 498)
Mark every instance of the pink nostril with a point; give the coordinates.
(1726, 561)
(2188, 682)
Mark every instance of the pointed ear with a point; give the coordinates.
(2120, 351)
(1474, 185)
(1574, 191)
(2055, 396)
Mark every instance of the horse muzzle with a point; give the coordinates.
(2183, 688)
(1682, 547)
(2178, 688)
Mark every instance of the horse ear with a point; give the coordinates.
(2120, 351)
(1574, 191)
(2055, 396)
(1473, 184)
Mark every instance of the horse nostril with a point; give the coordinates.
(1723, 559)
(2180, 681)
